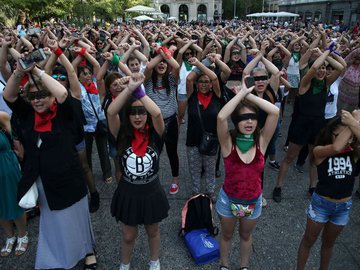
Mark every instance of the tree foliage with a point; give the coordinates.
(73, 10)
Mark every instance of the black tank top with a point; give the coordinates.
(336, 176)
(311, 104)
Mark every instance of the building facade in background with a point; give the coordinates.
(189, 10)
(330, 11)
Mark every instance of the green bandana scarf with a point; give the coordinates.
(188, 66)
(244, 142)
(317, 86)
(296, 56)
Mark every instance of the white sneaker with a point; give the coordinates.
(124, 266)
(154, 265)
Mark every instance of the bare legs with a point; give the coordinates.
(246, 227)
(129, 235)
(313, 229)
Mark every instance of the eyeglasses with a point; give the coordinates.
(260, 78)
(137, 110)
(59, 77)
(201, 81)
(38, 95)
(235, 53)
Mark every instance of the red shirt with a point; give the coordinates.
(243, 181)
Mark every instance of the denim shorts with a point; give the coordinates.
(224, 210)
(321, 210)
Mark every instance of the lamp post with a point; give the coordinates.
(234, 9)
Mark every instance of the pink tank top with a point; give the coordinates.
(243, 181)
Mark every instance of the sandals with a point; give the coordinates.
(91, 266)
(6, 250)
(22, 244)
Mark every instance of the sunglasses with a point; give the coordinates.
(137, 110)
(260, 78)
(99, 43)
(38, 95)
(247, 116)
(235, 53)
(59, 77)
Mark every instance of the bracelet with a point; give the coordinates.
(82, 52)
(41, 74)
(139, 92)
(58, 52)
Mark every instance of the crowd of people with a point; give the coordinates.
(130, 87)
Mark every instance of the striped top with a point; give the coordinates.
(166, 102)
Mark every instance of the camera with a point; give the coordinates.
(34, 57)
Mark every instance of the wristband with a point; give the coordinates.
(82, 52)
(115, 60)
(139, 92)
(166, 51)
(337, 53)
(58, 52)
(331, 47)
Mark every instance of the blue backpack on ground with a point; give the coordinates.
(198, 229)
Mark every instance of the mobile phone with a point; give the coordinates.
(249, 81)
(102, 35)
(34, 57)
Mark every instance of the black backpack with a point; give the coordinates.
(196, 214)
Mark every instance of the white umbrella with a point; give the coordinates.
(140, 8)
(253, 15)
(286, 14)
(143, 18)
(172, 19)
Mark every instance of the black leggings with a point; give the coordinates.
(171, 138)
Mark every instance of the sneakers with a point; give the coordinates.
(224, 268)
(94, 202)
(274, 165)
(299, 168)
(174, 188)
(264, 202)
(154, 265)
(124, 266)
(277, 194)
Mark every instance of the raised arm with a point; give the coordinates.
(222, 119)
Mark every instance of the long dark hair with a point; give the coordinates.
(325, 137)
(164, 80)
(110, 79)
(235, 120)
(126, 133)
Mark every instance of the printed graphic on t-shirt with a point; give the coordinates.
(137, 168)
(339, 167)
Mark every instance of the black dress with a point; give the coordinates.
(139, 197)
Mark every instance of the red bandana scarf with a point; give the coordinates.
(204, 99)
(140, 141)
(43, 120)
(91, 88)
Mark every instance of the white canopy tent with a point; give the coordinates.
(273, 14)
(143, 18)
(141, 9)
(172, 19)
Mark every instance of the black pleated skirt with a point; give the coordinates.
(134, 204)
